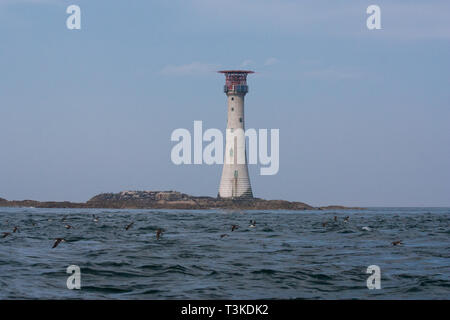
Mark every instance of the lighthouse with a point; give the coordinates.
(235, 181)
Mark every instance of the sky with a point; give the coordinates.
(363, 114)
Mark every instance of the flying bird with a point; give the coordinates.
(129, 226)
(159, 233)
(57, 242)
(5, 234)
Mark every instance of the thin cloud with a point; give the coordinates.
(333, 73)
(193, 68)
(246, 63)
(271, 61)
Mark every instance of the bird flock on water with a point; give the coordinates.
(57, 241)
(159, 232)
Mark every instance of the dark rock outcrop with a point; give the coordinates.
(39, 204)
(177, 200)
(145, 196)
(168, 200)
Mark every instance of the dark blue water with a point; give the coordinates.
(287, 255)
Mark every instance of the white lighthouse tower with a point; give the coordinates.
(235, 182)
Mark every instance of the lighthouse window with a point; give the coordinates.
(240, 119)
(232, 98)
(232, 109)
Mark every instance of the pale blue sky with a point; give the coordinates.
(363, 115)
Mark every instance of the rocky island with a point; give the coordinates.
(167, 200)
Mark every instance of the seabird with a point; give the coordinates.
(15, 229)
(335, 218)
(396, 243)
(346, 218)
(324, 224)
(234, 227)
(68, 226)
(159, 233)
(366, 228)
(223, 235)
(129, 226)
(252, 224)
(58, 241)
(5, 234)
(95, 218)
(64, 218)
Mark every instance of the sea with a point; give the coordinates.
(327, 254)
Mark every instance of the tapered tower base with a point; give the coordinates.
(235, 181)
